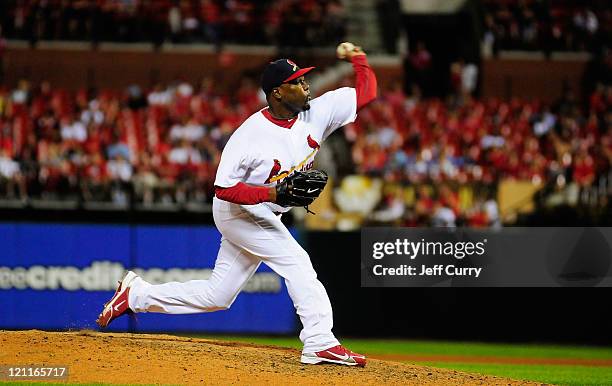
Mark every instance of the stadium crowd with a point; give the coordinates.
(547, 25)
(284, 22)
(163, 145)
(467, 141)
(567, 25)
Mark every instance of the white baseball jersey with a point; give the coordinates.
(262, 153)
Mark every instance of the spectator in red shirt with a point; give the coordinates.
(584, 169)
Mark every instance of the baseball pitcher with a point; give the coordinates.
(265, 170)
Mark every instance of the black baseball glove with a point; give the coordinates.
(301, 188)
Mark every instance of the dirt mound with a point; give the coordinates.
(146, 359)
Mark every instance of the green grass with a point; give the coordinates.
(49, 384)
(417, 347)
(57, 384)
(553, 374)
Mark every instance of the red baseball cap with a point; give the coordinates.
(279, 72)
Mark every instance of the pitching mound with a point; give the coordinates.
(147, 359)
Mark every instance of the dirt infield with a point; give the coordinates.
(164, 359)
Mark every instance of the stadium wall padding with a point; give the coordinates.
(572, 315)
(532, 78)
(116, 69)
(80, 67)
(57, 276)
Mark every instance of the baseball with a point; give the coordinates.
(343, 49)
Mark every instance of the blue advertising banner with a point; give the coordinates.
(57, 276)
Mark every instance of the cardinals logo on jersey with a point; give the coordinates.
(275, 170)
(276, 175)
(312, 143)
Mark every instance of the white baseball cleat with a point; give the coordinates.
(337, 354)
(118, 304)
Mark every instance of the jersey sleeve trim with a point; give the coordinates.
(243, 194)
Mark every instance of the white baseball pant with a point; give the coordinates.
(251, 234)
